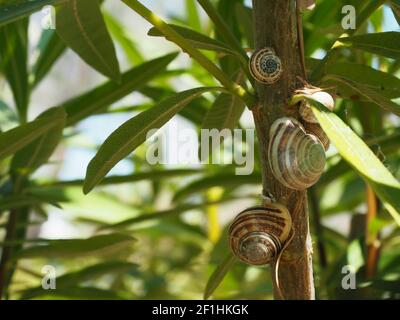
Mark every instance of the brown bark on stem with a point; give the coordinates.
(275, 25)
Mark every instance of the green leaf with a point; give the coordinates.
(13, 59)
(121, 35)
(71, 248)
(369, 94)
(219, 275)
(360, 157)
(386, 84)
(196, 39)
(224, 113)
(100, 98)
(133, 133)
(15, 139)
(80, 24)
(73, 279)
(193, 16)
(50, 48)
(17, 9)
(384, 43)
(39, 151)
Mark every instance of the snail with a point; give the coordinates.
(316, 130)
(296, 159)
(322, 97)
(265, 66)
(258, 234)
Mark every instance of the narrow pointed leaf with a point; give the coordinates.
(98, 99)
(17, 9)
(13, 60)
(196, 39)
(360, 157)
(384, 43)
(385, 83)
(50, 47)
(219, 275)
(39, 151)
(133, 133)
(80, 24)
(15, 139)
(369, 94)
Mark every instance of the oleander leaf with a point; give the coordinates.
(80, 24)
(15, 139)
(196, 39)
(384, 43)
(50, 48)
(368, 94)
(13, 62)
(18, 9)
(134, 132)
(359, 156)
(39, 151)
(218, 275)
(384, 83)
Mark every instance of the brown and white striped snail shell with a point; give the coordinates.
(258, 234)
(265, 66)
(316, 130)
(296, 159)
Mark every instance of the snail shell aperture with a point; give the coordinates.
(258, 234)
(296, 159)
(265, 66)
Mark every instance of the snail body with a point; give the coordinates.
(296, 159)
(257, 234)
(265, 66)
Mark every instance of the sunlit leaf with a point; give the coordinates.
(360, 157)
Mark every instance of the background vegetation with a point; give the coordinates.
(159, 231)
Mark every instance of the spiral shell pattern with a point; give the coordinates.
(316, 130)
(296, 159)
(265, 66)
(257, 234)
